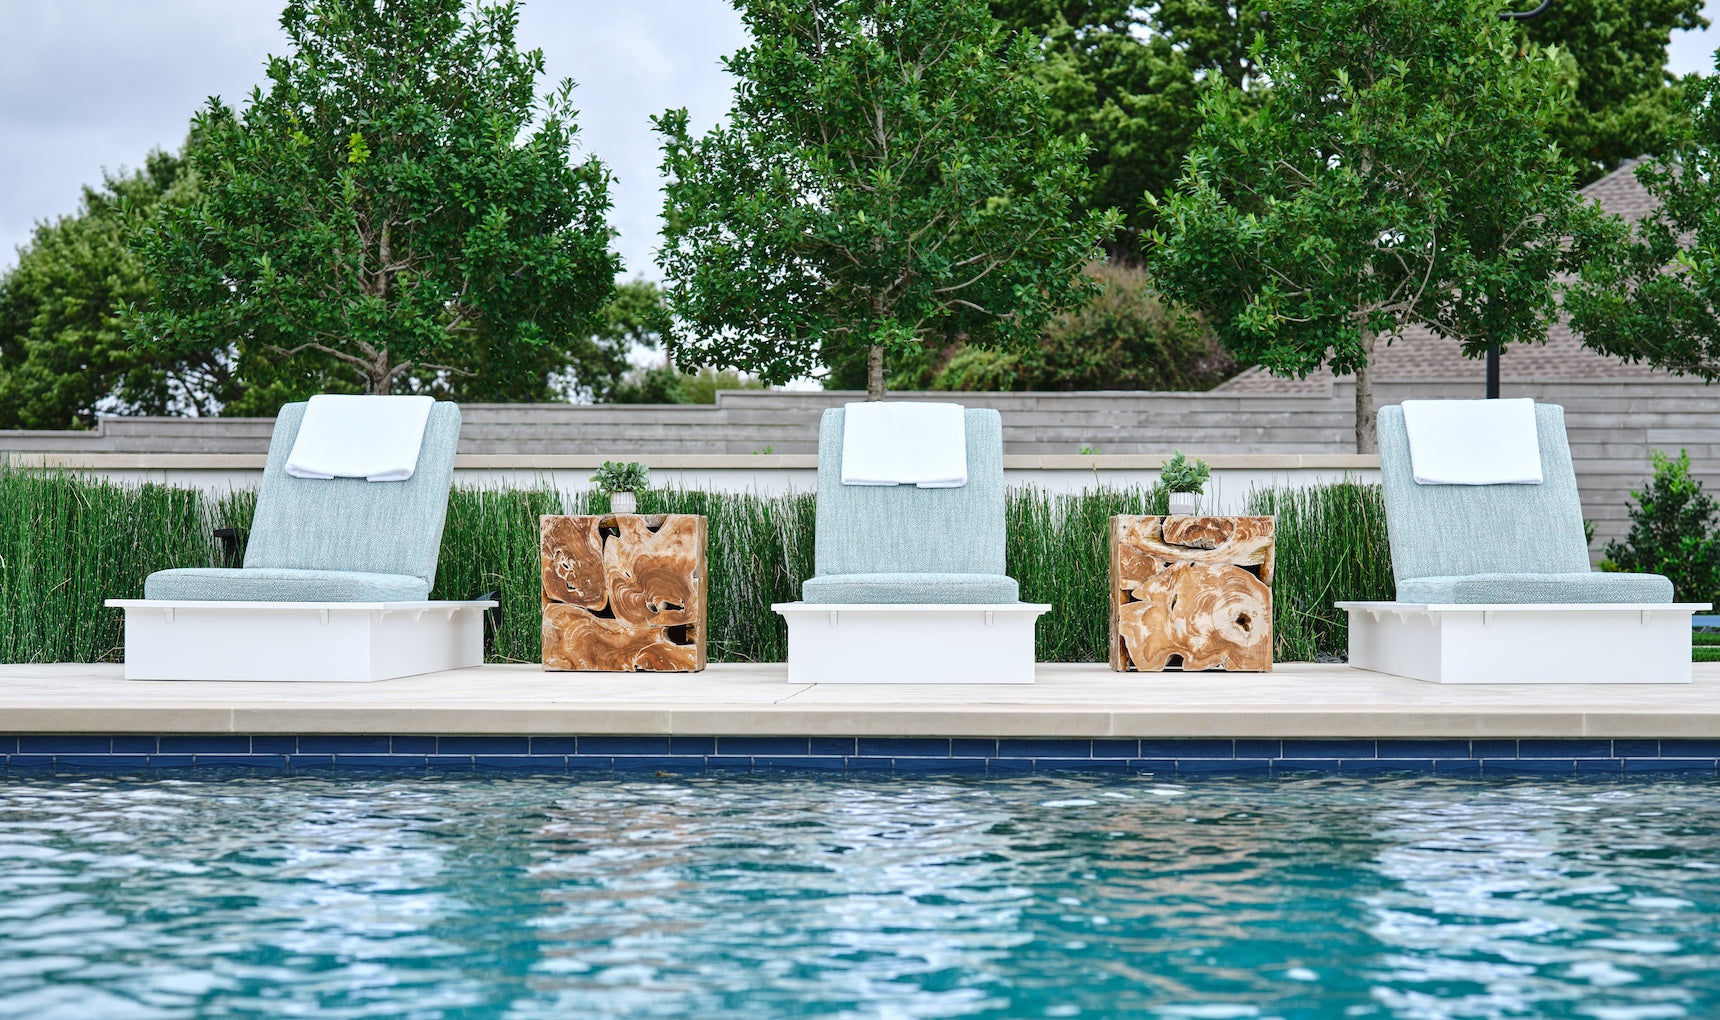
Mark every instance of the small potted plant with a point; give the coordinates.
(623, 482)
(1185, 482)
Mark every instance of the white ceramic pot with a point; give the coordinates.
(623, 502)
(1184, 503)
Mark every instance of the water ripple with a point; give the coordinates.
(758, 898)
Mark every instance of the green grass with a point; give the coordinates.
(66, 544)
(490, 544)
(1331, 546)
(1058, 551)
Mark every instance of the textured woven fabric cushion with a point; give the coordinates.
(338, 528)
(1457, 530)
(1519, 589)
(264, 584)
(865, 529)
(1496, 543)
(351, 524)
(908, 589)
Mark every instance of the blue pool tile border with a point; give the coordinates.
(681, 755)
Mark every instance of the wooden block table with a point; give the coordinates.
(1194, 592)
(624, 592)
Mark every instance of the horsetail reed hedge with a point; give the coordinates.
(67, 543)
(1331, 546)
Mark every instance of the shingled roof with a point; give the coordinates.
(1420, 355)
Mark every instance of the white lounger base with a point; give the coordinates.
(830, 643)
(1607, 643)
(322, 642)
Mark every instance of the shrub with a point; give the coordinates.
(1123, 338)
(1673, 532)
(663, 384)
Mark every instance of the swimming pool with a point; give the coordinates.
(208, 894)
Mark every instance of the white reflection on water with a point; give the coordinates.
(1528, 900)
(753, 899)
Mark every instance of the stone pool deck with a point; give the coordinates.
(1300, 717)
(1077, 701)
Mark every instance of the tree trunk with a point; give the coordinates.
(1367, 425)
(875, 373)
(379, 375)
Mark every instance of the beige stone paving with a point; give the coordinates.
(1069, 700)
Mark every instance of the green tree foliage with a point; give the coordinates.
(1674, 531)
(1130, 93)
(1397, 173)
(888, 176)
(1623, 105)
(1128, 76)
(63, 354)
(1122, 338)
(1654, 295)
(399, 212)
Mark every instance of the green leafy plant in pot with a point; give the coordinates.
(1185, 481)
(623, 482)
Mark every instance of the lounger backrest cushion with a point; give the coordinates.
(1458, 530)
(351, 524)
(890, 529)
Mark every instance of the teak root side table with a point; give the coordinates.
(624, 592)
(1191, 592)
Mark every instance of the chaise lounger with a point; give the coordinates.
(910, 584)
(334, 587)
(1494, 584)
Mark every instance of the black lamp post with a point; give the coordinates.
(1493, 348)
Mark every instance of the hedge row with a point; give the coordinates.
(67, 543)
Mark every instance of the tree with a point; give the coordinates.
(888, 176)
(1398, 172)
(397, 212)
(1129, 75)
(1653, 294)
(1623, 105)
(63, 354)
(1131, 95)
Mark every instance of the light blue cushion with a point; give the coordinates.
(345, 527)
(911, 544)
(1517, 589)
(883, 529)
(1468, 542)
(268, 584)
(900, 589)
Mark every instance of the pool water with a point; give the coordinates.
(215, 895)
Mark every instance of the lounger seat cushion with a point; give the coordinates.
(279, 584)
(1508, 589)
(909, 589)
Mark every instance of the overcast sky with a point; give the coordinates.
(88, 85)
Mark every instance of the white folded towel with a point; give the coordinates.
(1473, 442)
(904, 443)
(352, 436)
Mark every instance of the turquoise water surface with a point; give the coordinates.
(216, 895)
